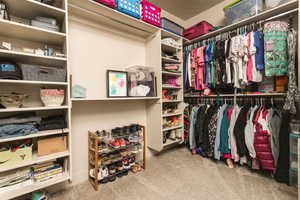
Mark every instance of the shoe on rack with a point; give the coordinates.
(104, 172)
(115, 144)
(122, 143)
(112, 178)
(112, 169)
(126, 164)
(93, 174)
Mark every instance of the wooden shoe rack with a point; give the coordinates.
(95, 155)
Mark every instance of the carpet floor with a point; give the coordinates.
(178, 175)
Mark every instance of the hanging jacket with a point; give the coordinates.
(262, 144)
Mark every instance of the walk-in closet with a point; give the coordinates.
(149, 99)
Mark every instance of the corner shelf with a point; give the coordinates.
(172, 128)
(171, 60)
(171, 114)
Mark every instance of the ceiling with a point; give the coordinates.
(185, 9)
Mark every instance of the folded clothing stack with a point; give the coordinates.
(45, 23)
(9, 180)
(53, 122)
(171, 42)
(19, 125)
(171, 67)
(45, 171)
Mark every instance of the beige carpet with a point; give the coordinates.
(177, 175)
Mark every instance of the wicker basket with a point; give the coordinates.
(52, 97)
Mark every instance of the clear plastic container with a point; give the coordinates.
(242, 9)
(294, 161)
(274, 3)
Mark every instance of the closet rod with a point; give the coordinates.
(237, 95)
(107, 17)
(238, 25)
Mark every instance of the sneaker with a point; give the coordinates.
(122, 143)
(116, 144)
(104, 172)
(112, 169)
(112, 178)
(132, 161)
(126, 164)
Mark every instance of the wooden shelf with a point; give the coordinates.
(36, 160)
(172, 128)
(33, 109)
(261, 16)
(172, 114)
(33, 58)
(36, 135)
(102, 14)
(171, 73)
(171, 142)
(32, 82)
(35, 186)
(166, 34)
(31, 33)
(172, 101)
(118, 99)
(170, 87)
(168, 48)
(29, 9)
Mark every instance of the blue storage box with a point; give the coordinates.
(130, 7)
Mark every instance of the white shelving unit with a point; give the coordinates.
(23, 35)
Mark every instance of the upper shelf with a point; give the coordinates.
(31, 8)
(99, 13)
(31, 33)
(118, 99)
(24, 57)
(261, 16)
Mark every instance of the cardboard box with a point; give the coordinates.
(47, 146)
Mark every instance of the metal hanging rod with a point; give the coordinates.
(239, 95)
(259, 19)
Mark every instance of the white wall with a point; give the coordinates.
(93, 50)
(214, 15)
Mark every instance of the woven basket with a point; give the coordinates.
(52, 97)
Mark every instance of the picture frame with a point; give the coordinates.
(116, 84)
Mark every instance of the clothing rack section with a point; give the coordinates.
(35, 131)
(248, 132)
(289, 8)
(245, 61)
(114, 154)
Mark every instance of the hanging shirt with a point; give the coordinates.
(260, 50)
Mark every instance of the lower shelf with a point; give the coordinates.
(171, 142)
(36, 160)
(172, 128)
(24, 189)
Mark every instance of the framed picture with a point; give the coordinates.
(117, 84)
